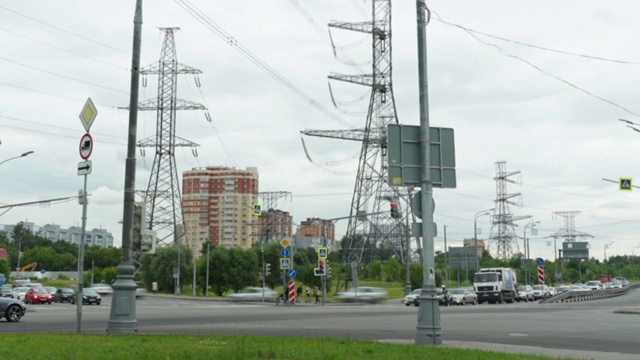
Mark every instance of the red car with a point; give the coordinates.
(37, 296)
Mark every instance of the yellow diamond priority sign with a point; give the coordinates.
(284, 242)
(88, 114)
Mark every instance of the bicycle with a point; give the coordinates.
(281, 299)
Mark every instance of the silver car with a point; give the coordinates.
(363, 294)
(413, 298)
(463, 296)
(11, 309)
(525, 293)
(254, 294)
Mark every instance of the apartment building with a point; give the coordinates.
(217, 206)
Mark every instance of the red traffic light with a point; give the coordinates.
(393, 206)
(321, 262)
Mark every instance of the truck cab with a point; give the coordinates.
(495, 285)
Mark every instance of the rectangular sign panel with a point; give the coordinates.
(405, 157)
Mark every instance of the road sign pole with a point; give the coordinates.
(81, 259)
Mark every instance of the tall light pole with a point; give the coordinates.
(606, 246)
(475, 233)
(633, 262)
(17, 157)
(527, 268)
(122, 319)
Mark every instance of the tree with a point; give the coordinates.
(5, 267)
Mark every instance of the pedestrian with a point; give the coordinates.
(154, 287)
(308, 292)
(316, 293)
(298, 293)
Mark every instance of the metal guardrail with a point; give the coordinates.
(588, 295)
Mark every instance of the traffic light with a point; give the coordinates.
(267, 269)
(138, 226)
(81, 196)
(328, 269)
(395, 211)
(148, 242)
(321, 269)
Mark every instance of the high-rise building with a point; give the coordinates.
(472, 242)
(274, 225)
(316, 227)
(217, 205)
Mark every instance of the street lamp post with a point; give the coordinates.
(527, 268)
(17, 157)
(475, 233)
(606, 246)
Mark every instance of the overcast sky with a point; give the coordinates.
(532, 94)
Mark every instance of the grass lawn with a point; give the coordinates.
(179, 347)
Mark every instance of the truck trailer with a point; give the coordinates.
(496, 285)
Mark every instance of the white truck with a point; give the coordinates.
(496, 285)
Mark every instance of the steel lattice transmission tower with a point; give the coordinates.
(503, 233)
(163, 198)
(569, 232)
(371, 189)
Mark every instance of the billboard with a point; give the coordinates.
(575, 250)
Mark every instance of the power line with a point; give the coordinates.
(249, 55)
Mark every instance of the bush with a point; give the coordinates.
(62, 276)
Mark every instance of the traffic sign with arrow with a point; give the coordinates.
(84, 167)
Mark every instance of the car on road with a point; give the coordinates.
(21, 292)
(540, 292)
(8, 292)
(12, 309)
(254, 294)
(89, 296)
(463, 296)
(363, 294)
(552, 291)
(102, 288)
(563, 289)
(37, 296)
(63, 295)
(525, 293)
(623, 280)
(413, 298)
(51, 289)
(595, 285)
(21, 283)
(615, 284)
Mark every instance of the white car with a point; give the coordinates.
(525, 293)
(595, 285)
(363, 294)
(254, 294)
(102, 288)
(412, 298)
(22, 291)
(540, 292)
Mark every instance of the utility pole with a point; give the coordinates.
(122, 318)
(428, 331)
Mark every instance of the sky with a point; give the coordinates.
(538, 84)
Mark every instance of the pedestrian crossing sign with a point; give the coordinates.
(284, 264)
(257, 209)
(625, 184)
(322, 253)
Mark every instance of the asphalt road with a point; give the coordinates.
(585, 330)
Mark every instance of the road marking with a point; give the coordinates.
(518, 334)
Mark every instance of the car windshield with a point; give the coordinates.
(40, 291)
(457, 291)
(89, 292)
(416, 291)
(593, 283)
(537, 287)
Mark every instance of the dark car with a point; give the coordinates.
(12, 309)
(63, 295)
(89, 296)
(37, 296)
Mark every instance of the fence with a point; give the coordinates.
(588, 295)
(46, 275)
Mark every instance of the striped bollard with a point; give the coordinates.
(292, 292)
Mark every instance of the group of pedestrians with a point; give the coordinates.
(316, 293)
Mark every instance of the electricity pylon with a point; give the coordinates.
(503, 233)
(369, 225)
(163, 198)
